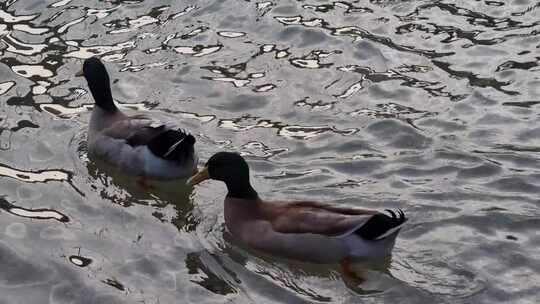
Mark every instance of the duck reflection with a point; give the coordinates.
(124, 190)
(290, 273)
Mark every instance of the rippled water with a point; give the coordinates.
(429, 106)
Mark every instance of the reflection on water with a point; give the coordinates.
(429, 106)
(80, 261)
(43, 214)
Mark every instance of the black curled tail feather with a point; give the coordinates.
(381, 225)
(185, 151)
(174, 145)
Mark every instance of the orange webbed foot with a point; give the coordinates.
(144, 183)
(349, 274)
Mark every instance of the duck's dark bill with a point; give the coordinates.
(198, 177)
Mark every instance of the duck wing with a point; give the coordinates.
(145, 135)
(139, 130)
(165, 141)
(136, 130)
(310, 217)
(315, 218)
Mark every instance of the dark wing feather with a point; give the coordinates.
(136, 130)
(161, 139)
(144, 135)
(174, 145)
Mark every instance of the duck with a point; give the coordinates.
(308, 231)
(138, 145)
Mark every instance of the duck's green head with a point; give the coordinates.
(223, 166)
(98, 81)
(230, 168)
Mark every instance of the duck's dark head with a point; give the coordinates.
(230, 168)
(99, 83)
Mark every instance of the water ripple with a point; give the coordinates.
(80, 260)
(6, 86)
(198, 50)
(38, 214)
(35, 176)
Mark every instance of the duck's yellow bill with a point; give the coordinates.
(79, 73)
(199, 177)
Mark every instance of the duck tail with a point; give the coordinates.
(382, 225)
(175, 145)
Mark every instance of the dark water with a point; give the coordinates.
(429, 106)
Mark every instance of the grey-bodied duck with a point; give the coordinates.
(303, 230)
(138, 145)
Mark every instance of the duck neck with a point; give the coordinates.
(242, 190)
(101, 91)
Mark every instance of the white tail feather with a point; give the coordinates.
(390, 232)
(174, 146)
